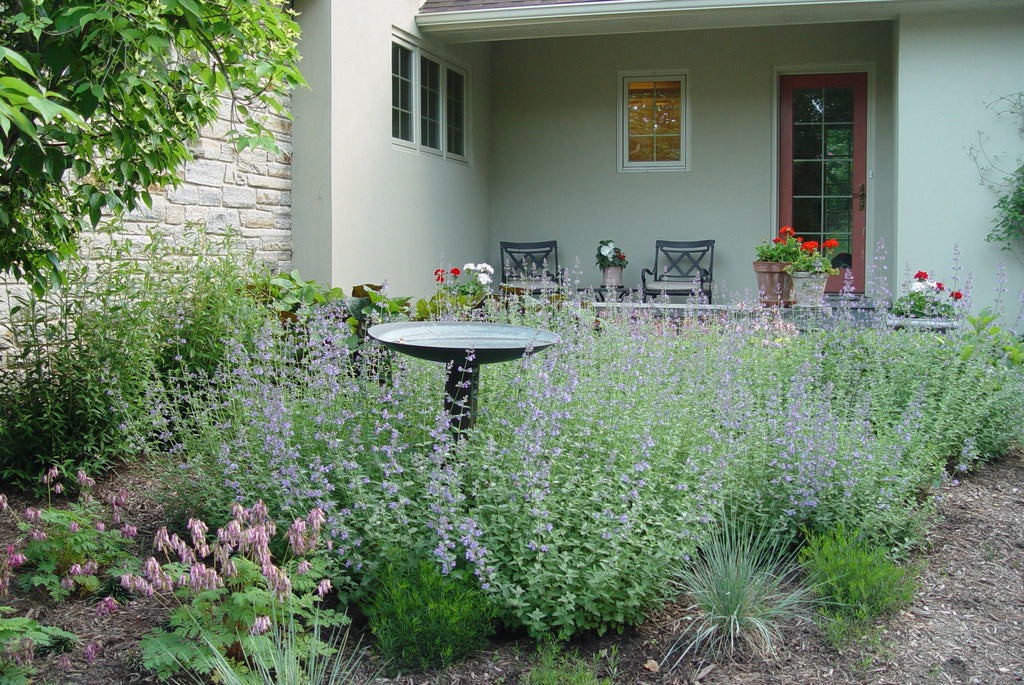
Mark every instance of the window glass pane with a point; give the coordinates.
(839, 141)
(641, 148)
(401, 92)
(838, 178)
(456, 113)
(653, 121)
(430, 103)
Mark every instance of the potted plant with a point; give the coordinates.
(774, 282)
(611, 260)
(926, 300)
(810, 271)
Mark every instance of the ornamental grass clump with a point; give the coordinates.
(744, 587)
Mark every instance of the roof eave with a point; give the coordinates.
(638, 16)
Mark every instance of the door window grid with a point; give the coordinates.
(420, 94)
(823, 164)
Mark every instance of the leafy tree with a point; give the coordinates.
(99, 99)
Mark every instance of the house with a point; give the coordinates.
(434, 129)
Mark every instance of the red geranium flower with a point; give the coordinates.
(921, 275)
(777, 239)
(787, 231)
(455, 271)
(956, 295)
(940, 287)
(809, 245)
(831, 244)
(439, 275)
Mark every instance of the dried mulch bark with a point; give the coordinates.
(966, 624)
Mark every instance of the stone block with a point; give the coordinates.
(205, 172)
(239, 197)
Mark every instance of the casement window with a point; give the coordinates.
(653, 120)
(428, 102)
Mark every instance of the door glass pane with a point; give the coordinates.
(839, 140)
(838, 104)
(806, 217)
(807, 142)
(806, 178)
(808, 105)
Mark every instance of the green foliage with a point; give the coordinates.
(89, 348)
(291, 653)
(422, 618)
(369, 305)
(994, 343)
(552, 667)
(289, 292)
(221, 619)
(857, 582)
(1009, 221)
(743, 585)
(21, 640)
(98, 103)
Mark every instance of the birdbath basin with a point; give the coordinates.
(464, 346)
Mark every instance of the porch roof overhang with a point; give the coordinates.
(492, 20)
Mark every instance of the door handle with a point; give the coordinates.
(863, 197)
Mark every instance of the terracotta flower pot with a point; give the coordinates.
(774, 284)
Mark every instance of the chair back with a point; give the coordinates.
(681, 267)
(530, 263)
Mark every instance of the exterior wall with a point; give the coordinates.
(554, 152)
(950, 69)
(366, 210)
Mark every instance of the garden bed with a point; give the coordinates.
(966, 624)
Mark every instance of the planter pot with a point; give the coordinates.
(808, 288)
(611, 276)
(774, 284)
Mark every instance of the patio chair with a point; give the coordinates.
(681, 268)
(530, 267)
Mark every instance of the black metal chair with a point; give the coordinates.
(681, 268)
(530, 267)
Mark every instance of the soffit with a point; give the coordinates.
(460, 21)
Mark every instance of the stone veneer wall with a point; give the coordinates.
(249, 192)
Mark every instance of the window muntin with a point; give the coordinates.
(428, 102)
(401, 93)
(653, 118)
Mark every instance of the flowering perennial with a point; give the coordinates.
(926, 298)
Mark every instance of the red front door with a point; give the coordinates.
(823, 165)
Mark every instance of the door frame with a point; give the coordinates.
(866, 68)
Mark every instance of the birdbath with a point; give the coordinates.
(464, 347)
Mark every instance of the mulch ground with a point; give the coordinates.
(966, 624)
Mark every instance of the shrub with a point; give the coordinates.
(744, 585)
(856, 580)
(423, 618)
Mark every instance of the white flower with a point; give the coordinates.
(483, 278)
(608, 250)
(469, 267)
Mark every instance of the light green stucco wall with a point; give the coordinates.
(951, 67)
(554, 148)
(366, 211)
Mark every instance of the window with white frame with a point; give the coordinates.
(428, 102)
(653, 122)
